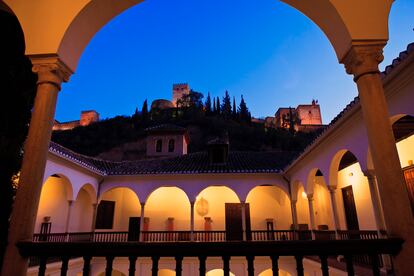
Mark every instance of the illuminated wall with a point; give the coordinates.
(302, 207)
(322, 203)
(352, 175)
(269, 272)
(406, 151)
(269, 202)
(217, 272)
(215, 197)
(54, 203)
(81, 213)
(168, 202)
(126, 205)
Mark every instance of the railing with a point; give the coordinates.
(133, 250)
(206, 236)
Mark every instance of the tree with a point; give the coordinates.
(234, 109)
(218, 109)
(226, 106)
(243, 111)
(208, 105)
(144, 111)
(214, 106)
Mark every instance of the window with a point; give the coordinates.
(105, 215)
(171, 145)
(158, 146)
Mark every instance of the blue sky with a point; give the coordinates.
(265, 50)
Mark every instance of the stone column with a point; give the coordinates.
(362, 61)
(51, 73)
(376, 205)
(294, 214)
(142, 222)
(70, 204)
(311, 211)
(192, 221)
(332, 193)
(243, 213)
(94, 210)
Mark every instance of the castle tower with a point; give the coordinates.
(179, 90)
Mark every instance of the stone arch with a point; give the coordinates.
(269, 203)
(302, 208)
(82, 209)
(57, 192)
(168, 208)
(90, 189)
(210, 203)
(127, 205)
(347, 173)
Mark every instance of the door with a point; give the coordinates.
(350, 208)
(234, 224)
(409, 180)
(133, 228)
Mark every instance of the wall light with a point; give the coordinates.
(410, 162)
(304, 195)
(351, 174)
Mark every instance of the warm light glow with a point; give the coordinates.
(351, 174)
(201, 206)
(304, 195)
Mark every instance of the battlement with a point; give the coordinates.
(180, 86)
(179, 90)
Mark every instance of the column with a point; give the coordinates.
(332, 193)
(94, 210)
(311, 211)
(294, 214)
(379, 222)
(70, 204)
(362, 61)
(243, 213)
(141, 222)
(192, 221)
(51, 73)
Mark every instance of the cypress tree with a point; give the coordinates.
(234, 109)
(243, 110)
(144, 111)
(226, 106)
(218, 109)
(208, 104)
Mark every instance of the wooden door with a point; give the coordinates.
(133, 228)
(234, 224)
(409, 180)
(350, 208)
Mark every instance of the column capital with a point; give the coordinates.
(310, 197)
(363, 58)
(70, 202)
(50, 69)
(142, 204)
(332, 189)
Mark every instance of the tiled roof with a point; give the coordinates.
(354, 103)
(194, 163)
(166, 128)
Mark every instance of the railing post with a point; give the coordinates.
(202, 267)
(226, 265)
(250, 265)
(155, 260)
(64, 267)
(324, 265)
(86, 265)
(349, 265)
(178, 265)
(132, 265)
(275, 265)
(42, 266)
(299, 265)
(109, 263)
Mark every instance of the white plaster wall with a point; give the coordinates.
(406, 151)
(81, 213)
(302, 207)
(269, 202)
(322, 204)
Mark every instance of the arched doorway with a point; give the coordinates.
(81, 219)
(55, 199)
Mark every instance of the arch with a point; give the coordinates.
(90, 189)
(269, 203)
(82, 209)
(314, 175)
(54, 201)
(113, 273)
(269, 272)
(347, 174)
(168, 208)
(127, 205)
(217, 272)
(210, 203)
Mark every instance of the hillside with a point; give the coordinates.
(123, 138)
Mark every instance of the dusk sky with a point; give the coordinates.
(265, 50)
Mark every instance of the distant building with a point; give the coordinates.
(305, 117)
(167, 140)
(179, 90)
(87, 117)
